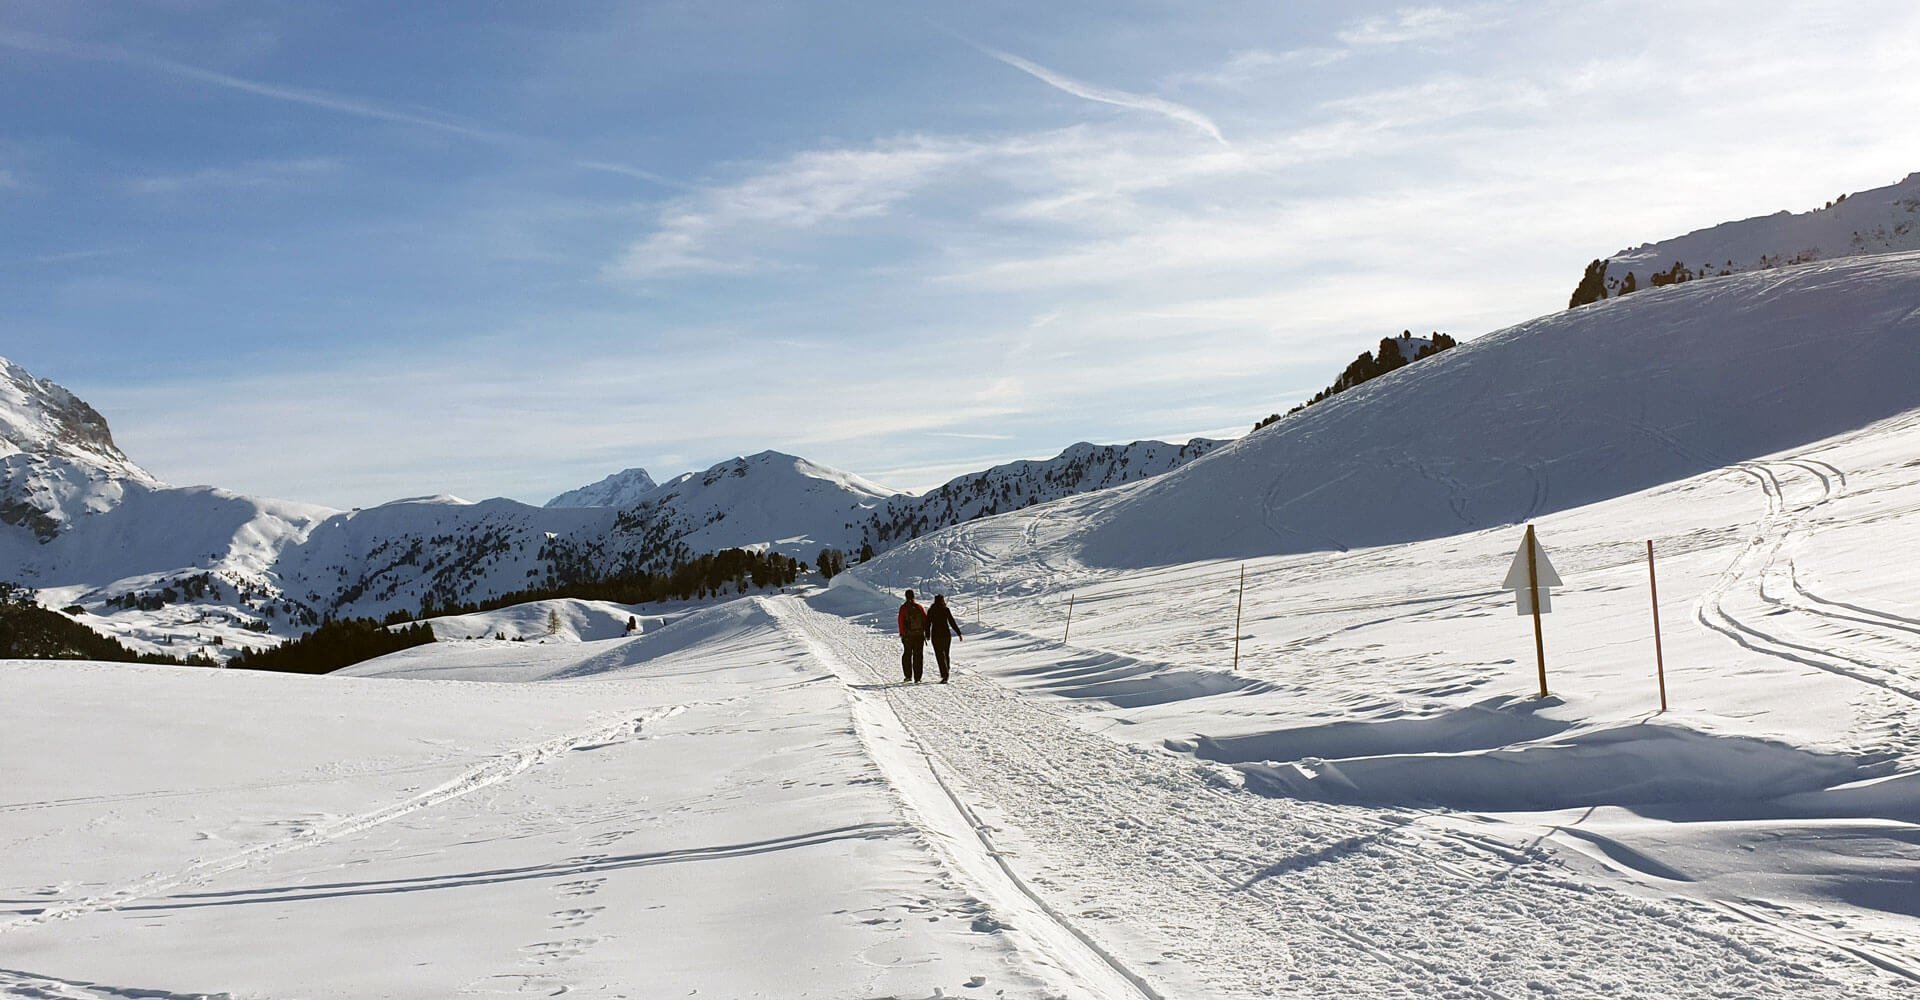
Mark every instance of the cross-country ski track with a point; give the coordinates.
(1184, 883)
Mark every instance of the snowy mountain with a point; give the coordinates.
(1081, 468)
(436, 551)
(57, 457)
(1881, 220)
(769, 501)
(1569, 409)
(621, 489)
(200, 569)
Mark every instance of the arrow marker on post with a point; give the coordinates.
(1529, 578)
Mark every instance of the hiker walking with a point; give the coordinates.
(939, 620)
(913, 639)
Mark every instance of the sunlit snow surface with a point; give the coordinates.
(743, 800)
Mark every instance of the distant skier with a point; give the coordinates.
(939, 619)
(913, 639)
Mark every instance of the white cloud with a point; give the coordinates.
(324, 100)
(709, 231)
(1411, 24)
(1248, 66)
(1108, 95)
(1112, 276)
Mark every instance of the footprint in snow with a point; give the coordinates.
(569, 919)
(580, 887)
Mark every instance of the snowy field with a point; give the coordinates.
(743, 801)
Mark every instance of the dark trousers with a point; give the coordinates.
(913, 658)
(941, 644)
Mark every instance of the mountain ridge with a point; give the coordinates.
(1864, 223)
(152, 565)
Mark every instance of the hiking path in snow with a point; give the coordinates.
(1183, 883)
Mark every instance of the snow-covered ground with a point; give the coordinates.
(743, 801)
(700, 817)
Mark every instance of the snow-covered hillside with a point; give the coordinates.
(769, 501)
(58, 461)
(622, 489)
(1881, 220)
(203, 570)
(1081, 468)
(1566, 410)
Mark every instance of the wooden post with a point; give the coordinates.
(1533, 591)
(1069, 629)
(1659, 659)
(1238, 604)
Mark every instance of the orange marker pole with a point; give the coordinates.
(1238, 604)
(1659, 659)
(1533, 588)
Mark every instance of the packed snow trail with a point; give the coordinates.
(1084, 967)
(1203, 889)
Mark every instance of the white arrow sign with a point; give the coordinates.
(1522, 588)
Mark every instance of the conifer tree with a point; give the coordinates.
(1592, 287)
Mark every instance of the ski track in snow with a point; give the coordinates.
(1761, 585)
(1089, 967)
(497, 768)
(16, 983)
(1198, 888)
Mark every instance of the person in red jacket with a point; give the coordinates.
(913, 639)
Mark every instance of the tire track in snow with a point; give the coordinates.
(500, 767)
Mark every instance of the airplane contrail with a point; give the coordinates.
(1108, 95)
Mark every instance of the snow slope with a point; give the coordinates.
(618, 490)
(1381, 668)
(1562, 411)
(685, 823)
(1881, 220)
(1081, 468)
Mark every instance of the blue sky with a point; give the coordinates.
(346, 252)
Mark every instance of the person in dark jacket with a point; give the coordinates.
(913, 639)
(939, 620)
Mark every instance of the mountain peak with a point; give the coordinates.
(41, 417)
(618, 490)
(57, 456)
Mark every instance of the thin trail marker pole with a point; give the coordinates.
(1533, 590)
(1659, 659)
(1069, 628)
(1239, 603)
